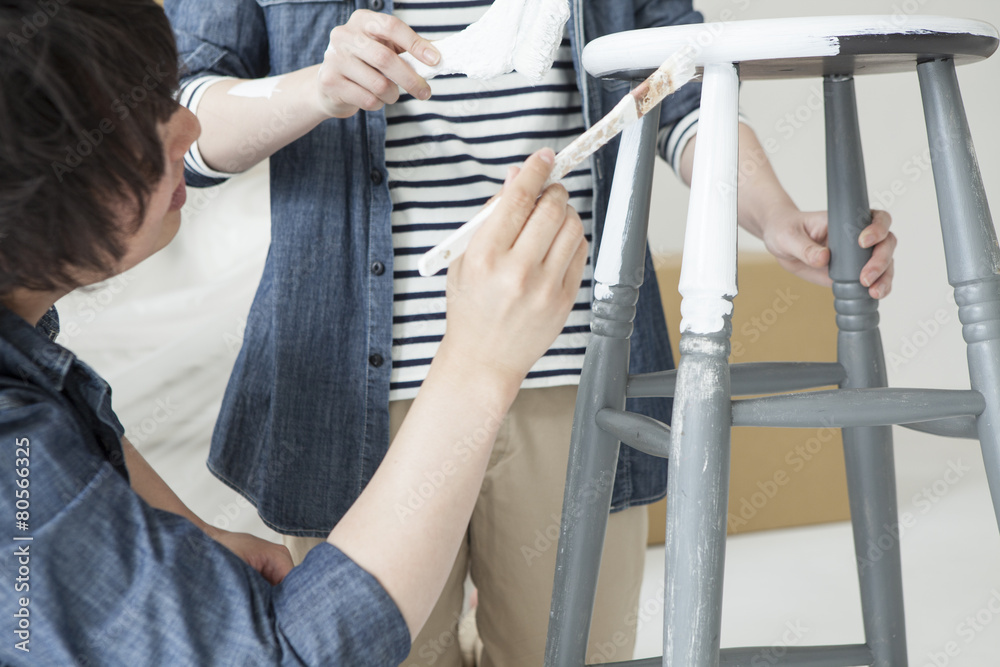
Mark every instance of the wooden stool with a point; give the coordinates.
(697, 442)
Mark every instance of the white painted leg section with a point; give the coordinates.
(708, 271)
(609, 270)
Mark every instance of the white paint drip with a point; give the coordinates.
(708, 270)
(704, 312)
(257, 88)
(513, 35)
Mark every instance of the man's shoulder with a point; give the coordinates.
(44, 435)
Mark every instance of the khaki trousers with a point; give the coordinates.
(510, 548)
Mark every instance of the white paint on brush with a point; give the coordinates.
(513, 35)
(539, 36)
(708, 270)
(257, 88)
(483, 50)
(760, 39)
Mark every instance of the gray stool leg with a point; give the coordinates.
(698, 483)
(593, 453)
(697, 499)
(868, 451)
(970, 244)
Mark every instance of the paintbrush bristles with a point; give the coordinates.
(675, 71)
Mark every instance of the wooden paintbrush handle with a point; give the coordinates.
(441, 255)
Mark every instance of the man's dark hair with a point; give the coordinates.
(83, 86)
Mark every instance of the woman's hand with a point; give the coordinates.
(362, 68)
(799, 242)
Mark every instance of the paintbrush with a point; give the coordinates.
(676, 70)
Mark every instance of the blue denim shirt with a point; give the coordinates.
(98, 577)
(305, 419)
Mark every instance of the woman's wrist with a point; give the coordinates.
(311, 92)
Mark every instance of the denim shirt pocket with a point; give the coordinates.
(299, 30)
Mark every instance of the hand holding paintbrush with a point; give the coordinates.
(677, 70)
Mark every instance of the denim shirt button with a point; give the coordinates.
(376, 360)
(378, 5)
(376, 176)
(378, 268)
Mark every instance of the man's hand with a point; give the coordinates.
(799, 242)
(509, 295)
(272, 560)
(362, 68)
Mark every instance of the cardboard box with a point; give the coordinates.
(779, 477)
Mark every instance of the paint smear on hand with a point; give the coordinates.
(258, 88)
(513, 35)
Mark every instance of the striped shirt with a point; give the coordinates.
(445, 157)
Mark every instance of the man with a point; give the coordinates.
(359, 190)
(107, 566)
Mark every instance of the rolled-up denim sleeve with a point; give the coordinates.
(114, 581)
(332, 611)
(221, 38)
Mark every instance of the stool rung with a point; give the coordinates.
(842, 408)
(637, 431)
(747, 379)
(848, 655)
(954, 427)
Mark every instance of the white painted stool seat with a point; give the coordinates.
(797, 47)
